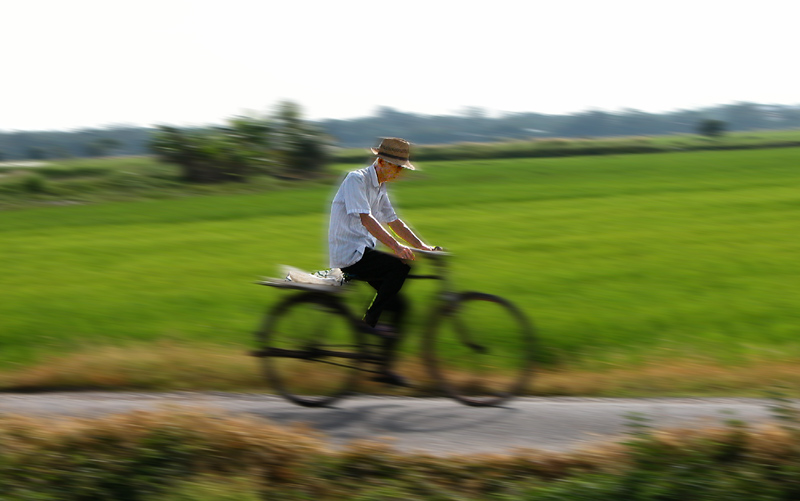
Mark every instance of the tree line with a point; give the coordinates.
(474, 125)
(471, 125)
(40, 145)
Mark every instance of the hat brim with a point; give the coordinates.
(393, 160)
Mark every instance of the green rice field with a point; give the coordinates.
(618, 259)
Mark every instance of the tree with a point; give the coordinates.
(301, 147)
(587, 124)
(746, 116)
(283, 144)
(102, 147)
(203, 157)
(38, 153)
(711, 127)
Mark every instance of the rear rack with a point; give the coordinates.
(288, 284)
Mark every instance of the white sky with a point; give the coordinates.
(88, 63)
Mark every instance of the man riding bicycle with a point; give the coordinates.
(358, 211)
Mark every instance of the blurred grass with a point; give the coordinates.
(620, 260)
(199, 365)
(114, 179)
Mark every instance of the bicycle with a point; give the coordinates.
(477, 347)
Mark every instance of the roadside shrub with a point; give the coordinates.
(34, 183)
(710, 127)
(131, 456)
(133, 181)
(74, 170)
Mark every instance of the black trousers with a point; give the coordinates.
(386, 274)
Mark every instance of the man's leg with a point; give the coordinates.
(396, 308)
(386, 274)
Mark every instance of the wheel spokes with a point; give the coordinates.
(481, 350)
(303, 343)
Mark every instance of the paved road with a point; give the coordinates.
(429, 425)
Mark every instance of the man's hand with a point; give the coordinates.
(404, 252)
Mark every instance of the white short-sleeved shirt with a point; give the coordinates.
(359, 193)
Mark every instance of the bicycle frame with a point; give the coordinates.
(437, 259)
(445, 294)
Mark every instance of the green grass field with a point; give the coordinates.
(620, 260)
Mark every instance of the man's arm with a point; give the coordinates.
(376, 230)
(404, 232)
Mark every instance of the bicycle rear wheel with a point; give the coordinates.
(310, 349)
(479, 349)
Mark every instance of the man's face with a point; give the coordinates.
(391, 171)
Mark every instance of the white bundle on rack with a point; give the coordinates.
(333, 277)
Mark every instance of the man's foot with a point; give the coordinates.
(392, 378)
(384, 332)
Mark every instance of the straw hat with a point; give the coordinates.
(394, 150)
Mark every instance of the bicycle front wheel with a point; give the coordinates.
(479, 349)
(310, 349)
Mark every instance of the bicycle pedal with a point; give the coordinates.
(374, 359)
(392, 379)
(477, 348)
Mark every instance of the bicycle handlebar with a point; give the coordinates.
(432, 254)
(438, 263)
